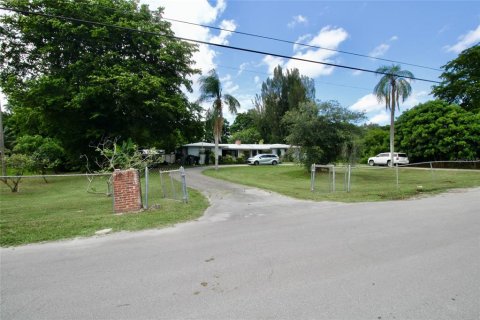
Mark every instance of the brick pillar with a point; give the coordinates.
(127, 192)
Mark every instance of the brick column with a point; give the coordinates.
(127, 192)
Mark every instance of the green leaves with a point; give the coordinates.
(461, 80)
(321, 129)
(436, 130)
(89, 82)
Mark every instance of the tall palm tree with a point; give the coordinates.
(211, 91)
(392, 86)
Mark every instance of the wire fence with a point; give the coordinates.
(425, 176)
(164, 184)
(75, 192)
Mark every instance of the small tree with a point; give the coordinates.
(47, 153)
(18, 164)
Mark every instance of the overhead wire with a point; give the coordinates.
(77, 20)
(298, 43)
(282, 40)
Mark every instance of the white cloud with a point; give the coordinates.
(272, 62)
(302, 39)
(222, 37)
(379, 50)
(376, 111)
(328, 37)
(368, 103)
(256, 79)
(298, 19)
(242, 68)
(394, 38)
(228, 85)
(200, 12)
(465, 41)
(382, 118)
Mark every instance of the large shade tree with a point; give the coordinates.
(80, 82)
(211, 91)
(461, 80)
(393, 87)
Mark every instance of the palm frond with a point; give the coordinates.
(231, 102)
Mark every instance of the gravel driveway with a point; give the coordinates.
(260, 255)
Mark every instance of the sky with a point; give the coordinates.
(421, 33)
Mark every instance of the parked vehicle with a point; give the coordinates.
(264, 159)
(384, 159)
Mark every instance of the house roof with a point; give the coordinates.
(234, 146)
(200, 144)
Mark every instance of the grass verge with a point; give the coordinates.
(367, 184)
(62, 209)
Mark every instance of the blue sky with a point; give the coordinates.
(427, 33)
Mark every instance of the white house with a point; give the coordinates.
(235, 150)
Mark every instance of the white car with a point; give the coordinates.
(263, 158)
(384, 159)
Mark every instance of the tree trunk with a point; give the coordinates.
(392, 124)
(216, 151)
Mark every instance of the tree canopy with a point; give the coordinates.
(283, 92)
(321, 129)
(437, 130)
(461, 80)
(80, 83)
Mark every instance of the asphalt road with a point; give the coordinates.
(259, 255)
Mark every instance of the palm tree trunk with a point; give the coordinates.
(392, 123)
(216, 151)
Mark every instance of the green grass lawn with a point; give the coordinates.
(367, 184)
(63, 209)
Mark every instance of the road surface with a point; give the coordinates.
(260, 255)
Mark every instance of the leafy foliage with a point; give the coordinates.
(18, 164)
(461, 80)
(321, 129)
(373, 141)
(436, 130)
(46, 153)
(284, 92)
(81, 83)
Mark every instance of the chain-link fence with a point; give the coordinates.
(164, 184)
(425, 176)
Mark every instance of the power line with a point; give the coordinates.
(281, 40)
(298, 43)
(267, 74)
(26, 12)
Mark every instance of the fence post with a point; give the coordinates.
(333, 182)
(349, 173)
(312, 177)
(396, 170)
(145, 206)
(433, 174)
(184, 185)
